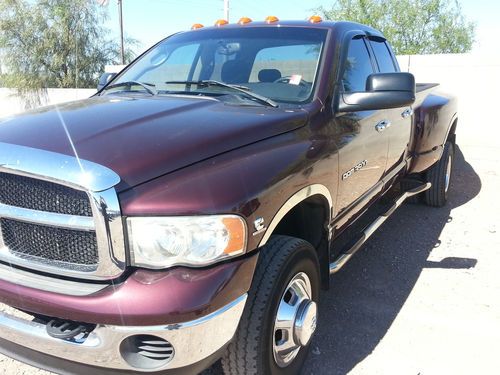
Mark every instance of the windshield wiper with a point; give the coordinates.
(144, 85)
(243, 89)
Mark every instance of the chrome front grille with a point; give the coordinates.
(30, 193)
(66, 248)
(59, 214)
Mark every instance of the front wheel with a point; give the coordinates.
(281, 312)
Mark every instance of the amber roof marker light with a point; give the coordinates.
(271, 19)
(196, 26)
(315, 19)
(244, 20)
(221, 22)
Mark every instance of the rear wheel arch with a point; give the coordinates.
(452, 133)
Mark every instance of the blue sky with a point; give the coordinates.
(152, 20)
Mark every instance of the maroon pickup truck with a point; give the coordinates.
(195, 206)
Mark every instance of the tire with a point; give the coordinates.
(440, 177)
(252, 351)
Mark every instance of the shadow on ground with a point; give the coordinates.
(367, 294)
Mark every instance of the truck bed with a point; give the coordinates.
(425, 86)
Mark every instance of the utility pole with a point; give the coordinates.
(122, 46)
(226, 10)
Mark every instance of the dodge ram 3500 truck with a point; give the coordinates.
(194, 207)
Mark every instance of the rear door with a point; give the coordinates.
(362, 149)
(399, 118)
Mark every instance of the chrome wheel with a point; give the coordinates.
(447, 177)
(295, 320)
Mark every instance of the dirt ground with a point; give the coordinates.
(423, 295)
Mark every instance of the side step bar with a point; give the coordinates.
(342, 259)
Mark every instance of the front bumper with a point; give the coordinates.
(192, 341)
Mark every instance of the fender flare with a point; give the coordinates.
(454, 119)
(294, 200)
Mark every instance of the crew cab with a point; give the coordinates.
(194, 207)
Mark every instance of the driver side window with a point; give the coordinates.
(358, 66)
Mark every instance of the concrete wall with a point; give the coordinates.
(11, 103)
(474, 79)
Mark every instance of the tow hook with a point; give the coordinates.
(68, 330)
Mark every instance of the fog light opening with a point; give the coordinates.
(146, 351)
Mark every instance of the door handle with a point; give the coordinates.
(407, 113)
(382, 125)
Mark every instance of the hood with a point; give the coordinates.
(141, 138)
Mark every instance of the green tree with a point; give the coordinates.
(54, 43)
(412, 26)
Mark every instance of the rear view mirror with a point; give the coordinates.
(383, 91)
(104, 79)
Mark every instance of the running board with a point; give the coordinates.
(342, 259)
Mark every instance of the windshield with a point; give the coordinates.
(276, 63)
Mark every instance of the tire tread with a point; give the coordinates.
(436, 195)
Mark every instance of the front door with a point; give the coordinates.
(399, 119)
(362, 143)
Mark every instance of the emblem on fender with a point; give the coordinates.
(259, 226)
(356, 168)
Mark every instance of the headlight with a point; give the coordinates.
(160, 242)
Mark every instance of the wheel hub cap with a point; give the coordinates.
(305, 322)
(295, 320)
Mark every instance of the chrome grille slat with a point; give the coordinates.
(155, 355)
(159, 349)
(82, 223)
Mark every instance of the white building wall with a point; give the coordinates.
(11, 104)
(474, 79)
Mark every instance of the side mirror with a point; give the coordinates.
(383, 91)
(104, 79)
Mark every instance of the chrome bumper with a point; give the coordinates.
(192, 341)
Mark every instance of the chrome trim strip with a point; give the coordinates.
(192, 341)
(303, 194)
(62, 169)
(109, 230)
(48, 284)
(47, 218)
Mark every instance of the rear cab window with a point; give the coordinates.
(283, 63)
(383, 56)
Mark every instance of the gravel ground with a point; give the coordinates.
(423, 295)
